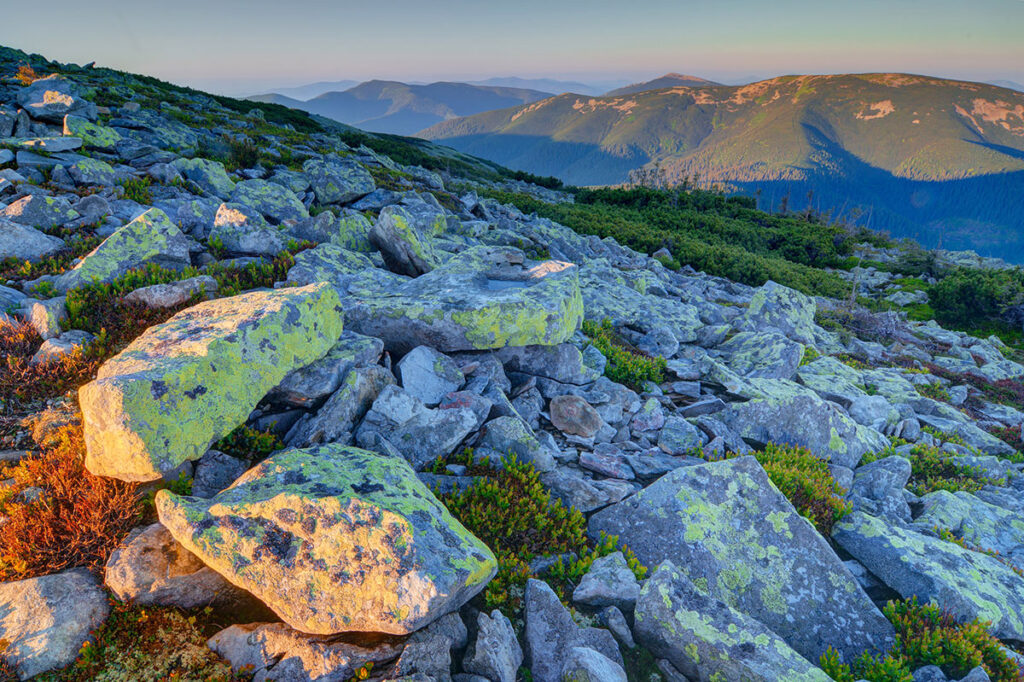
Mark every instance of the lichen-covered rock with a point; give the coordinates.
(785, 309)
(878, 488)
(510, 436)
(622, 297)
(328, 263)
(189, 381)
(586, 665)
(54, 97)
(968, 584)
(563, 362)
(335, 539)
(275, 202)
(551, 634)
(274, 651)
(478, 300)
(975, 521)
(765, 354)
(429, 375)
(92, 172)
(242, 230)
(404, 235)
(92, 135)
(151, 568)
(336, 419)
(787, 413)
(150, 238)
(209, 176)
(40, 211)
(707, 640)
(174, 294)
(832, 380)
(45, 621)
(26, 243)
(731, 532)
(338, 181)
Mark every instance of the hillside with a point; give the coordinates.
(286, 400)
(936, 160)
(310, 90)
(392, 107)
(669, 80)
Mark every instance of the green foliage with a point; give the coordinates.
(810, 355)
(927, 635)
(512, 512)
(949, 536)
(806, 481)
(626, 365)
(249, 444)
(720, 235)
(968, 295)
(933, 391)
(138, 190)
(932, 468)
(242, 153)
(77, 245)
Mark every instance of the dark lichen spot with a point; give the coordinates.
(158, 389)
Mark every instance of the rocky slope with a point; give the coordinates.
(931, 159)
(400, 421)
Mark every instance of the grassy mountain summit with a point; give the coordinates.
(393, 107)
(669, 80)
(928, 158)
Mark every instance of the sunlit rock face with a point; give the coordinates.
(189, 381)
(335, 539)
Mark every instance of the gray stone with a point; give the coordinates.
(678, 436)
(734, 534)
(586, 665)
(40, 211)
(209, 176)
(67, 343)
(561, 362)
(551, 634)
(510, 436)
(404, 235)
(429, 375)
(54, 97)
(968, 584)
(338, 181)
(707, 640)
(609, 582)
(607, 460)
(358, 388)
(307, 386)
(150, 568)
(428, 652)
(573, 415)
(45, 621)
(496, 654)
(241, 230)
(214, 472)
(174, 294)
(878, 488)
(46, 317)
(26, 243)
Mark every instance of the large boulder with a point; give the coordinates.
(496, 653)
(429, 375)
(26, 243)
(707, 640)
(45, 621)
(52, 98)
(335, 539)
(274, 202)
(975, 521)
(732, 533)
(328, 263)
(785, 309)
(40, 211)
(787, 413)
(240, 229)
(150, 238)
(404, 236)
(189, 381)
(92, 135)
(767, 354)
(478, 300)
(338, 181)
(209, 176)
(338, 417)
(968, 584)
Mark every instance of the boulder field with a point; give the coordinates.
(341, 349)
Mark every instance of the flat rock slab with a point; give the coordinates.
(473, 302)
(707, 640)
(45, 621)
(968, 584)
(979, 523)
(335, 539)
(189, 381)
(150, 238)
(734, 535)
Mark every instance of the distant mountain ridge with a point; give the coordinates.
(938, 160)
(403, 109)
(669, 80)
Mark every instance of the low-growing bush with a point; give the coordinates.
(626, 365)
(138, 190)
(513, 513)
(933, 391)
(806, 481)
(932, 468)
(58, 515)
(247, 443)
(927, 635)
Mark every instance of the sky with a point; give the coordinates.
(246, 46)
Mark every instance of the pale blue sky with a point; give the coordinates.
(240, 46)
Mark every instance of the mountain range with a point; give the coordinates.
(938, 160)
(403, 109)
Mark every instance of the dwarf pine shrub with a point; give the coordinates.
(626, 365)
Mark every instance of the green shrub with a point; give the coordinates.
(810, 355)
(933, 391)
(626, 365)
(934, 469)
(247, 443)
(512, 512)
(138, 190)
(806, 481)
(968, 296)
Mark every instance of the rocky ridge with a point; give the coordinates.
(415, 334)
